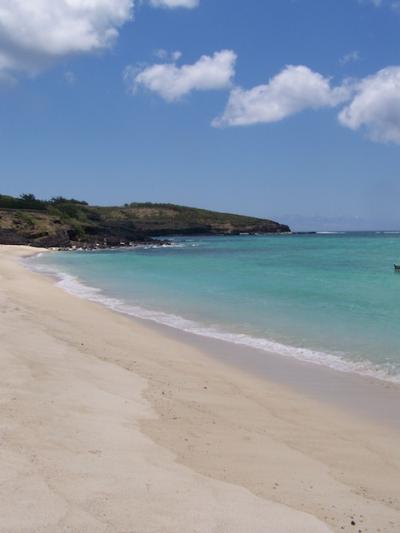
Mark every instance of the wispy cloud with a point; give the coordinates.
(70, 77)
(394, 5)
(173, 4)
(164, 55)
(375, 3)
(351, 57)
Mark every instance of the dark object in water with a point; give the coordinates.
(397, 268)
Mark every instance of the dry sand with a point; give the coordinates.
(107, 425)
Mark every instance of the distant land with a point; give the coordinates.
(67, 223)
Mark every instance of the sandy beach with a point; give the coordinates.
(107, 425)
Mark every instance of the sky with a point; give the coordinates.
(285, 109)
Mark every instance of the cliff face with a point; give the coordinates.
(65, 223)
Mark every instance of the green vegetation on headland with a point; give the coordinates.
(62, 222)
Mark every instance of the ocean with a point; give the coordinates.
(329, 299)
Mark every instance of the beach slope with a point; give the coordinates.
(107, 425)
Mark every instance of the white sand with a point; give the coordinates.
(106, 425)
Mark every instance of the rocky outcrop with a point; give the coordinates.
(68, 223)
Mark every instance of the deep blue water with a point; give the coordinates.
(332, 299)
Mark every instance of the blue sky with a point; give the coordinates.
(293, 112)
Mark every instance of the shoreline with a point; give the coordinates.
(364, 394)
(109, 415)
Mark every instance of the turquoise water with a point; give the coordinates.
(329, 299)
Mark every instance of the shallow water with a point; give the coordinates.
(331, 299)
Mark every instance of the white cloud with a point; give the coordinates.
(33, 33)
(173, 4)
(172, 82)
(294, 89)
(376, 106)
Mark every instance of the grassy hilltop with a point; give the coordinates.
(68, 222)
